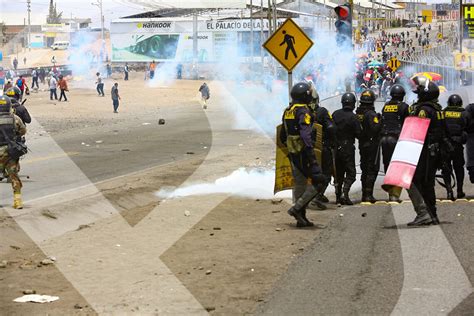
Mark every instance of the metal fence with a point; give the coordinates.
(451, 78)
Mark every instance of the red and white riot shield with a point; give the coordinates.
(407, 153)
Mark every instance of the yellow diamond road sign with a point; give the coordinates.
(288, 44)
(394, 63)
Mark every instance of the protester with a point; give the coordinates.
(126, 70)
(53, 85)
(152, 69)
(100, 85)
(63, 87)
(115, 97)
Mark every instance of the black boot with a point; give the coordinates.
(421, 220)
(338, 191)
(298, 215)
(345, 198)
(461, 194)
(434, 216)
(367, 196)
(308, 222)
(450, 195)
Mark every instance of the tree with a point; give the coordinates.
(53, 17)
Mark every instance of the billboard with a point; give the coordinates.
(464, 61)
(140, 40)
(467, 18)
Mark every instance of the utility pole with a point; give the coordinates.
(261, 30)
(99, 5)
(28, 4)
(251, 32)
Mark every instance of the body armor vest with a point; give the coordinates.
(455, 122)
(294, 142)
(392, 118)
(7, 127)
(432, 111)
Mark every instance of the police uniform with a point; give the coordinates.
(11, 127)
(324, 118)
(470, 142)
(427, 106)
(348, 129)
(368, 144)
(457, 121)
(297, 136)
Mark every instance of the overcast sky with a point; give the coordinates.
(15, 12)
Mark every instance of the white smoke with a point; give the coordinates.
(253, 183)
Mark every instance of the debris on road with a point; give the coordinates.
(3, 264)
(47, 262)
(277, 201)
(35, 298)
(29, 292)
(99, 141)
(83, 226)
(190, 153)
(216, 228)
(341, 215)
(15, 247)
(364, 214)
(208, 272)
(187, 213)
(144, 124)
(278, 229)
(49, 214)
(161, 122)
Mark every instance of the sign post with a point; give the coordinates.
(288, 45)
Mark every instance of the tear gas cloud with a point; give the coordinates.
(253, 183)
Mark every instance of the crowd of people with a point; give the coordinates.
(377, 133)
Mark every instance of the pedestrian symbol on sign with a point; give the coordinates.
(290, 42)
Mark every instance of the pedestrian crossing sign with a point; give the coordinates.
(394, 63)
(440, 36)
(288, 44)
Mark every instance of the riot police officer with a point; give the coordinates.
(323, 117)
(427, 106)
(18, 108)
(11, 127)
(297, 136)
(393, 115)
(368, 144)
(470, 143)
(348, 129)
(457, 121)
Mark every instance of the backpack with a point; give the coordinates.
(19, 83)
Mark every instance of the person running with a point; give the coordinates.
(100, 85)
(152, 69)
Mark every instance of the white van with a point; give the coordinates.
(60, 45)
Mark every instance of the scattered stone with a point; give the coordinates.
(190, 153)
(53, 258)
(47, 262)
(364, 214)
(28, 292)
(301, 249)
(49, 214)
(161, 122)
(275, 212)
(200, 268)
(82, 227)
(187, 213)
(341, 215)
(278, 229)
(210, 308)
(15, 247)
(319, 260)
(125, 149)
(3, 264)
(99, 141)
(216, 228)
(277, 201)
(77, 306)
(208, 272)
(257, 200)
(211, 234)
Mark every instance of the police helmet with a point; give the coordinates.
(14, 93)
(348, 100)
(367, 97)
(397, 92)
(5, 104)
(426, 89)
(301, 93)
(455, 100)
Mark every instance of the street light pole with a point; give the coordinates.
(99, 5)
(28, 3)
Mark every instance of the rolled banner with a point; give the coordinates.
(405, 158)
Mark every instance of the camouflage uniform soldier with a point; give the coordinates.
(11, 128)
